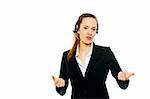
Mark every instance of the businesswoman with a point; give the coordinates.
(87, 64)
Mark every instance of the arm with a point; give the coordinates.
(63, 76)
(115, 70)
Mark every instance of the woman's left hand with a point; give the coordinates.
(124, 75)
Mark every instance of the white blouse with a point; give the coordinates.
(83, 67)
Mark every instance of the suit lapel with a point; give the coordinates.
(94, 57)
(76, 67)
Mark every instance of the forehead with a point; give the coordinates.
(89, 21)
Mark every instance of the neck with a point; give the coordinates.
(84, 48)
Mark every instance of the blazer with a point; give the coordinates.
(92, 85)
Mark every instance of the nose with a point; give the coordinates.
(90, 32)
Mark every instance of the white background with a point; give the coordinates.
(34, 34)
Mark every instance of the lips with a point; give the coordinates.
(89, 38)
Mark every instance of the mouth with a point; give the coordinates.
(89, 38)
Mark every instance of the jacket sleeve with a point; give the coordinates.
(115, 69)
(64, 75)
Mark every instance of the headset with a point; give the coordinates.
(77, 27)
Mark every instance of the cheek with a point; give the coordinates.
(82, 36)
(94, 34)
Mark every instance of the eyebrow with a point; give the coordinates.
(88, 26)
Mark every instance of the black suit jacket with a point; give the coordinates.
(92, 85)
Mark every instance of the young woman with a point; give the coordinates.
(87, 64)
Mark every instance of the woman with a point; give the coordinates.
(87, 64)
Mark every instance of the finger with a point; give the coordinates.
(53, 77)
(121, 76)
(62, 83)
(133, 74)
(57, 83)
(129, 75)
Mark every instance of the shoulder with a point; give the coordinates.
(106, 50)
(65, 53)
(102, 48)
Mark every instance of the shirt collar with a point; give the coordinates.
(89, 54)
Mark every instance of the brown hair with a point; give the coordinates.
(77, 38)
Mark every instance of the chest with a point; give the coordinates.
(96, 69)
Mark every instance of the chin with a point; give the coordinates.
(88, 43)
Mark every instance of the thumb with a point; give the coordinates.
(129, 74)
(54, 78)
(132, 74)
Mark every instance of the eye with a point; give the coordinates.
(94, 29)
(85, 27)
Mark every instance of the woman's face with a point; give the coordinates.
(87, 30)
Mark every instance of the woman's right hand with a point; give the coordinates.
(58, 82)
